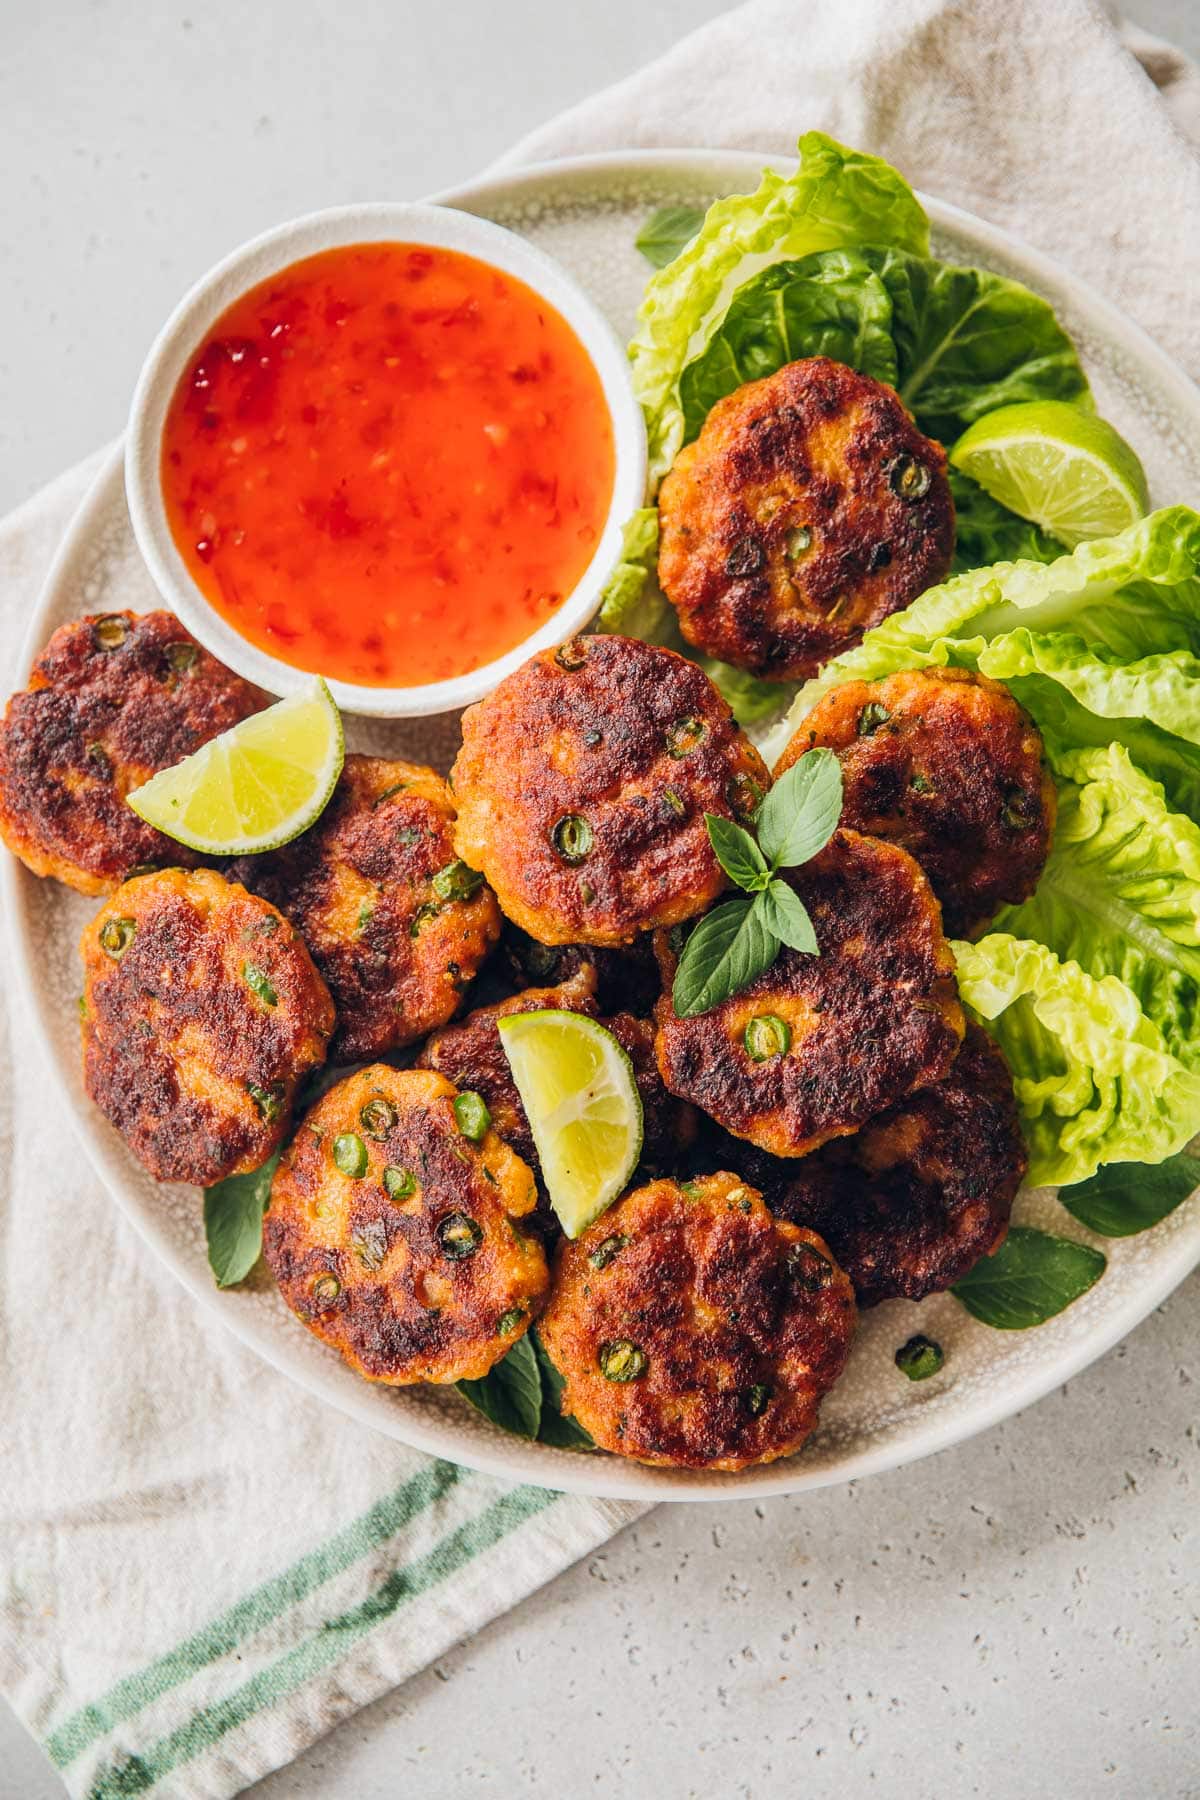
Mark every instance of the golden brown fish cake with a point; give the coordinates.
(470, 1053)
(582, 784)
(694, 1330)
(945, 763)
(391, 1233)
(112, 699)
(921, 1193)
(397, 926)
(201, 1010)
(808, 509)
(862, 1024)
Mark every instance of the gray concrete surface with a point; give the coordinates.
(1016, 1618)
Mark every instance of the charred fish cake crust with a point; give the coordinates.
(694, 1330)
(201, 1010)
(817, 1045)
(582, 785)
(470, 1053)
(627, 980)
(808, 509)
(922, 1192)
(947, 764)
(397, 925)
(112, 699)
(393, 1235)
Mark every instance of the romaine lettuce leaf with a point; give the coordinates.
(1163, 688)
(969, 341)
(986, 532)
(631, 600)
(830, 304)
(955, 342)
(1120, 894)
(1095, 1079)
(1116, 623)
(836, 198)
(1065, 725)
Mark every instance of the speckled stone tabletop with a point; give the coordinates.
(1014, 1618)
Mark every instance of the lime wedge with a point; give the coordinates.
(1058, 465)
(255, 786)
(584, 1110)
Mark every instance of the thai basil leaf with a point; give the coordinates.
(737, 853)
(729, 947)
(1030, 1279)
(801, 811)
(1126, 1198)
(510, 1394)
(557, 1428)
(830, 304)
(667, 231)
(233, 1216)
(787, 916)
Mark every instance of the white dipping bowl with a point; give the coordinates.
(435, 227)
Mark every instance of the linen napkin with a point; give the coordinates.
(201, 1568)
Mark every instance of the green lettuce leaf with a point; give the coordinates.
(1095, 1078)
(955, 342)
(831, 304)
(986, 532)
(969, 341)
(631, 601)
(1065, 725)
(1116, 624)
(835, 198)
(1120, 894)
(1163, 688)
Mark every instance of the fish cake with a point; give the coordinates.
(808, 509)
(470, 1053)
(945, 763)
(394, 1236)
(694, 1330)
(817, 1045)
(201, 1010)
(112, 699)
(582, 785)
(921, 1193)
(396, 924)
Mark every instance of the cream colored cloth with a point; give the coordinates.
(201, 1568)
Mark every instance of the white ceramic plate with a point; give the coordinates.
(587, 212)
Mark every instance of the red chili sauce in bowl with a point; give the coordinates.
(388, 464)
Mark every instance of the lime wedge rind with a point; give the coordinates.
(1059, 465)
(580, 1096)
(256, 786)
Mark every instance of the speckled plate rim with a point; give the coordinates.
(500, 1454)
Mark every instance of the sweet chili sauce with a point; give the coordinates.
(388, 464)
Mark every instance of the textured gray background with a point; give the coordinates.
(1016, 1618)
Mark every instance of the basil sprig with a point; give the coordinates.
(667, 232)
(521, 1394)
(1126, 1198)
(740, 939)
(233, 1222)
(1031, 1278)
